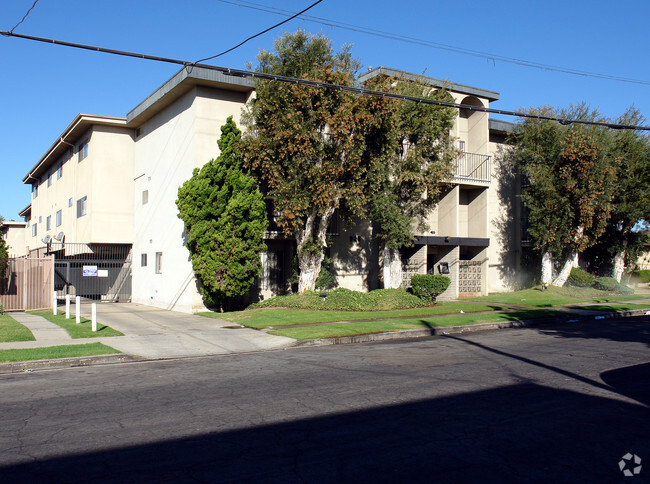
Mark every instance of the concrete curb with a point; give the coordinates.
(469, 328)
(31, 365)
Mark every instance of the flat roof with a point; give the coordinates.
(179, 84)
(501, 125)
(451, 86)
(12, 223)
(70, 135)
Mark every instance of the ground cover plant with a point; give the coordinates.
(81, 330)
(12, 330)
(552, 296)
(50, 352)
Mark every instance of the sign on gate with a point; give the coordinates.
(90, 271)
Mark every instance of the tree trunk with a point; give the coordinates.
(571, 262)
(547, 268)
(619, 261)
(392, 268)
(309, 262)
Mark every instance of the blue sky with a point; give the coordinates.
(43, 87)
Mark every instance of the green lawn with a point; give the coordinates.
(553, 296)
(12, 330)
(366, 327)
(64, 351)
(263, 318)
(81, 330)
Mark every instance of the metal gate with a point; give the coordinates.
(26, 283)
(469, 277)
(95, 271)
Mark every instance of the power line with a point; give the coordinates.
(260, 33)
(319, 84)
(435, 45)
(25, 16)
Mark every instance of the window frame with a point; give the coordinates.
(58, 218)
(83, 150)
(159, 262)
(143, 259)
(48, 223)
(82, 206)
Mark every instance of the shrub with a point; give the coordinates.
(580, 278)
(644, 275)
(2, 309)
(612, 285)
(428, 287)
(606, 284)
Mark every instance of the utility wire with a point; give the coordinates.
(25, 16)
(260, 33)
(435, 45)
(323, 85)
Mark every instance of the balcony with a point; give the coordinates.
(473, 168)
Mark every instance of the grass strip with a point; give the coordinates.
(12, 330)
(263, 318)
(81, 330)
(366, 327)
(614, 307)
(51, 352)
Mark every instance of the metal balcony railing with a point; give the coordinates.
(473, 167)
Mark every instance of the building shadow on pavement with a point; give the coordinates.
(522, 432)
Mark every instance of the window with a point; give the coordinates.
(40, 219)
(143, 260)
(145, 197)
(83, 150)
(34, 230)
(35, 190)
(69, 202)
(59, 171)
(58, 218)
(48, 223)
(158, 262)
(49, 179)
(82, 207)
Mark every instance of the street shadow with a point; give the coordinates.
(517, 433)
(632, 381)
(630, 330)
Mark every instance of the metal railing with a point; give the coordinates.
(473, 167)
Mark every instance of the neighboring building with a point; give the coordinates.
(14, 235)
(111, 181)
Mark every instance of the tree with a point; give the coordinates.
(571, 175)
(225, 220)
(306, 143)
(4, 253)
(631, 196)
(413, 154)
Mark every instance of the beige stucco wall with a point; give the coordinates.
(104, 177)
(179, 138)
(14, 235)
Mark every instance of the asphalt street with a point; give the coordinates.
(559, 403)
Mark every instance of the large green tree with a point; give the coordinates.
(631, 196)
(307, 144)
(225, 220)
(571, 174)
(413, 154)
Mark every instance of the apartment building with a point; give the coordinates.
(14, 235)
(112, 181)
(82, 203)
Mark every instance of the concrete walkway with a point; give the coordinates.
(153, 333)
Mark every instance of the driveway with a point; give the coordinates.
(157, 333)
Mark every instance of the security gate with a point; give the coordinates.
(95, 271)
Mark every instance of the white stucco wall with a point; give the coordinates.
(179, 138)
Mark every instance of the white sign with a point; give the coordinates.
(102, 273)
(90, 271)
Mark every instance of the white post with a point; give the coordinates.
(94, 317)
(77, 309)
(67, 306)
(55, 309)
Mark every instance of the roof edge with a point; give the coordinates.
(452, 86)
